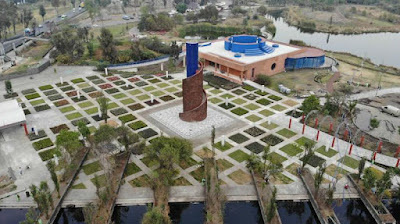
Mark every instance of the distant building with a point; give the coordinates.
(243, 57)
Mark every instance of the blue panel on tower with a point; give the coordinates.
(192, 58)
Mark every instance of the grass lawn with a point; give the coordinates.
(266, 113)
(127, 101)
(215, 91)
(238, 138)
(67, 109)
(119, 95)
(290, 103)
(332, 169)
(204, 153)
(162, 85)
(135, 92)
(85, 104)
(73, 116)
(251, 106)
(239, 111)
(240, 177)
(137, 125)
(92, 110)
(291, 149)
(286, 133)
(78, 80)
(239, 155)
(91, 168)
(226, 146)
(249, 88)
(269, 126)
(32, 96)
(331, 152)
(261, 93)
(281, 178)
(350, 162)
(49, 154)
(198, 174)
(36, 102)
(253, 118)
(149, 88)
(184, 164)
(46, 87)
(275, 158)
(79, 186)
(303, 140)
(223, 165)
(239, 101)
(181, 181)
(292, 168)
(172, 89)
(131, 168)
(127, 118)
(215, 100)
(143, 97)
(112, 106)
(263, 101)
(157, 93)
(149, 163)
(142, 181)
(227, 95)
(278, 107)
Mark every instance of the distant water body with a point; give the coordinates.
(381, 48)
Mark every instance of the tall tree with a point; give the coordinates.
(8, 85)
(309, 104)
(55, 4)
(92, 8)
(385, 183)
(42, 11)
(105, 134)
(369, 179)
(308, 154)
(107, 45)
(73, 3)
(26, 17)
(126, 136)
(319, 177)
(69, 142)
(265, 156)
(361, 166)
(83, 129)
(51, 166)
(103, 103)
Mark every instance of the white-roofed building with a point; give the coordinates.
(11, 114)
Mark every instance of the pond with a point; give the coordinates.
(352, 211)
(296, 212)
(381, 48)
(12, 215)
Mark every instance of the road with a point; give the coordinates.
(19, 38)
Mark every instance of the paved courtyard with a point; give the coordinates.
(246, 119)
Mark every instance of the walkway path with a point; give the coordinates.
(331, 81)
(374, 93)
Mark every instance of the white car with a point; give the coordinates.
(40, 26)
(63, 16)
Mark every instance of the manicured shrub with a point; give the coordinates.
(264, 80)
(32, 96)
(41, 144)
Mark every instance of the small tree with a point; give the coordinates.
(385, 183)
(369, 179)
(319, 177)
(254, 163)
(107, 45)
(213, 139)
(103, 103)
(374, 123)
(83, 129)
(126, 136)
(30, 217)
(262, 10)
(265, 156)
(69, 140)
(96, 182)
(308, 154)
(51, 166)
(105, 134)
(181, 7)
(361, 167)
(89, 212)
(272, 206)
(90, 48)
(309, 104)
(42, 11)
(8, 86)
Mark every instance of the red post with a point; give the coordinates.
(397, 152)
(304, 128)
(351, 148)
(304, 123)
(374, 157)
(362, 141)
(316, 123)
(317, 135)
(302, 117)
(346, 132)
(380, 147)
(398, 161)
(290, 123)
(333, 142)
(26, 130)
(330, 128)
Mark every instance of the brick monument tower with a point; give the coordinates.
(194, 96)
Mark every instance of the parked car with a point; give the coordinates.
(394, 111)
(125, 17)
(63, 16)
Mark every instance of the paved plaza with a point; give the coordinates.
(251, 119)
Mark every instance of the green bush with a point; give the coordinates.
(263, 80)
(374, 123)
(64, 59)
(44, 143)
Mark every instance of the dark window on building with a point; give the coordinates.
(273, 66)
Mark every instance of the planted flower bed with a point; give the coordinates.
(98, 81)
(148, 133)
(55, 97)
(62, 84)
(105, 86)
(32, 96)
(167, 98)
(28, 91)
(118, 111)
(42, 108)
(137, 106)
(41, 144)
(76, 99)
(46, 87)
(141, 83)
(78, 80)
(226, 106)
(239, 111)
(134, 79)
(254, 131)
(119, 82)
(251, 97)
(112, 91)
(127, 118)
(50, 92)
(41, 134)
(255, 147)
(238, 138)
(93, 77)
(272, 140)
(67, 88)
(84, 120)
(137, 125)
(57, 129)
(95, 94)
(61, 103)
(72, 93)
(49, 154)
(112, 78)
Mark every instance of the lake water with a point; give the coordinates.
(381, 48)
(296, 212)
(12, 216)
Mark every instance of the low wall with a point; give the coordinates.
(31, 71)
